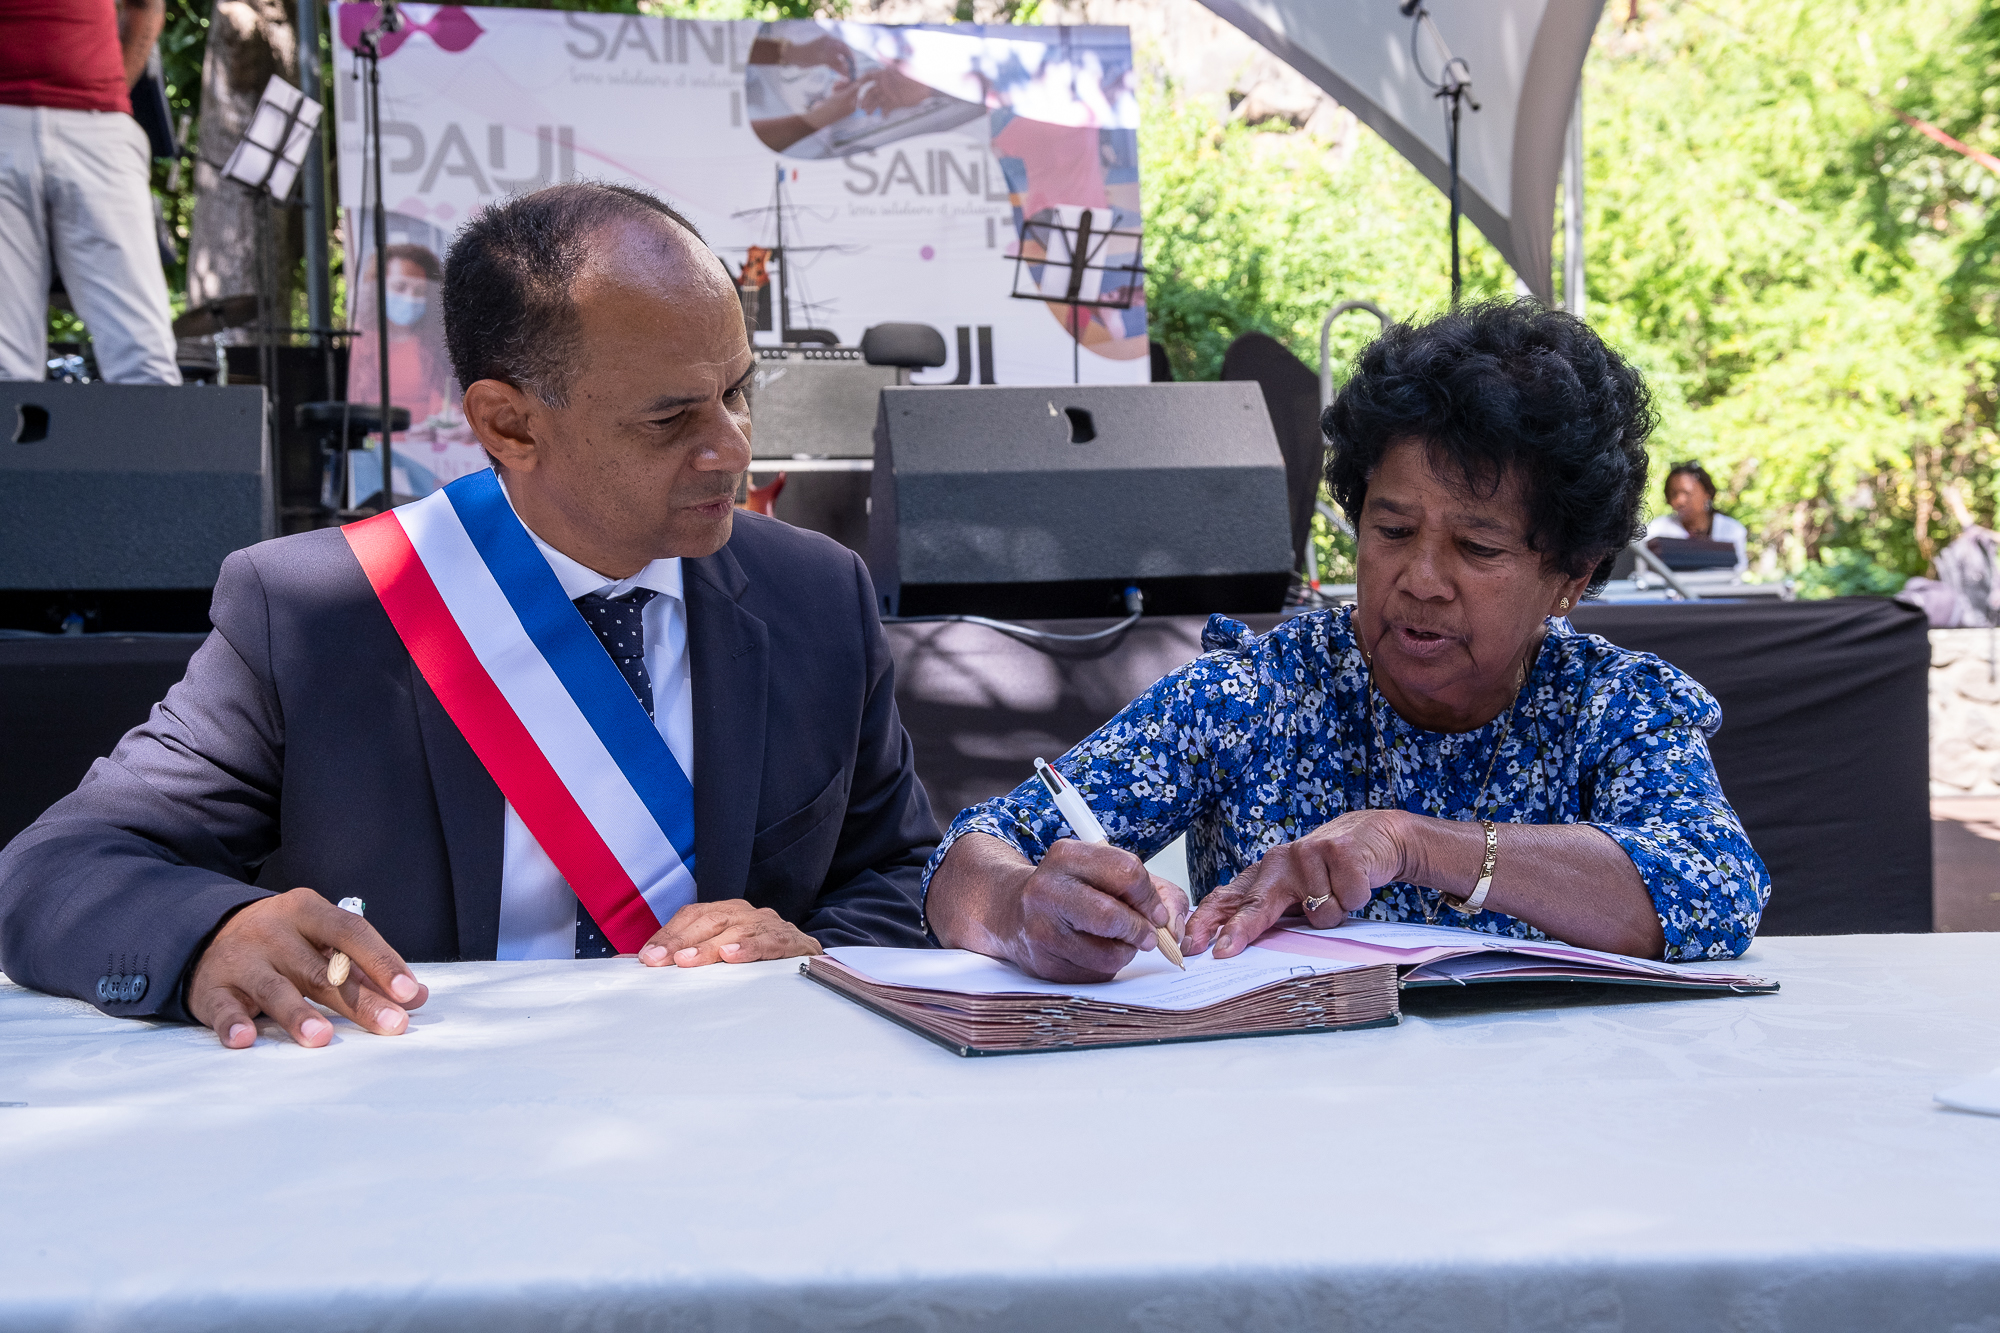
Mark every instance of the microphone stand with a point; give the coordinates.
(1454, 82)
(387, 19)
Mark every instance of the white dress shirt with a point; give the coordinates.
(537, 908)
(1721, 528)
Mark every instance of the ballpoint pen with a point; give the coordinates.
(336, 966)
(1070, 803)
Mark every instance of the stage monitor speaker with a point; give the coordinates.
(1045, 503)
(814, 402)
(128, 487)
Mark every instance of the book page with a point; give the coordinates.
(1412, 945)
(1445, 941)
(1148, 980)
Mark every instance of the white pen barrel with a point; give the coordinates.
(1081, 821)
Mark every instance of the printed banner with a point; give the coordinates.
(981, 179)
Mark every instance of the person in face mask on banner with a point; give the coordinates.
(419, 371)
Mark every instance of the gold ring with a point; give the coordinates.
(1314, 904)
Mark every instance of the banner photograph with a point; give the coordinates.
(821, 160)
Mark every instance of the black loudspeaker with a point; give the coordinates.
(132, 489)
(814, 402)
(1044, 503)
(812, 417)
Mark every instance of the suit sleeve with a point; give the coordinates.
(129, 874)
(889, 832)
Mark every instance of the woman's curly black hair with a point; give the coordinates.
(1499, 386)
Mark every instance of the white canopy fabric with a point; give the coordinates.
(1526, 58)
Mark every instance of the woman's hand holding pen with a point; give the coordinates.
(1081, 915)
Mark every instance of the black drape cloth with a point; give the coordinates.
(64, 702)
(1823, 748)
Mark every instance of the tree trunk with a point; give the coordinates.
(248, 42)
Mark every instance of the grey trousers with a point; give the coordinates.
(74, 198)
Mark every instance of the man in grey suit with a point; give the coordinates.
(606, 362)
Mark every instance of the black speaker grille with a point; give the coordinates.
(1043, 502)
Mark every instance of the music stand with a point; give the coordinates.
(267, 161)
(272, 151)
(1084, 245)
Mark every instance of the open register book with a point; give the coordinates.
(975, 1005)
(1294, 979)
(1448, 956)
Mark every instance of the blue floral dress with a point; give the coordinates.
(1263, 738)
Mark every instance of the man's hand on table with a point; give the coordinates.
(271, 959)
(1081, 915)
(731, 931)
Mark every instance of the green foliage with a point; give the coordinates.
(1783, 247)
(1807, 280)
(1254, 229)
(183, 42)
(1842, 571)
(1335, 551)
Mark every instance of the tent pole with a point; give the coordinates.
(1454, 200)
(319, 304)
(1573, 284)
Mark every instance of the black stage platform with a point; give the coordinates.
(1823, 750)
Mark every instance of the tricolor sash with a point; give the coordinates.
(539, 699)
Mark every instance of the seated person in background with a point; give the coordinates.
(1448, 749)
(704, 746)
(1691, 493)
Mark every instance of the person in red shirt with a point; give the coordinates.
(75, 187)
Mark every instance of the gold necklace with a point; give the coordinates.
(1431, 904)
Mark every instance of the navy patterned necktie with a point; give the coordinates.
(619, 623)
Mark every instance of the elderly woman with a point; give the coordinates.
(1446, 750)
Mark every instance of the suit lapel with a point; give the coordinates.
(729, 660)
(469, 808)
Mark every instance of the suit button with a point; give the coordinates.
(135, 988)
(104, 988)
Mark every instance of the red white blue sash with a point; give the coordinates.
(541, 702)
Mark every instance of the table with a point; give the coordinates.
(594, 1146)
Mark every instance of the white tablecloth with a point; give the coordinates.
(598, 1146)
